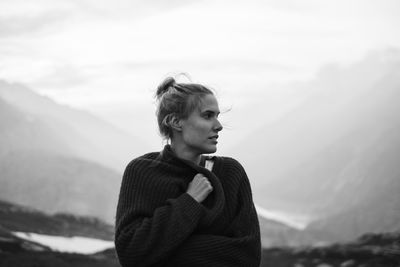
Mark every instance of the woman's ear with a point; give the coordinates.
(176, 123)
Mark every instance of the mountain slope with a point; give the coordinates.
(359, 98)
(17, 218)
(336, 155)
(370, 204)
(19, 130)
(276, 234)
(88, 136)
(343, 164)
(331, 112)
(38, 168)
(54, 183)
(48, 160)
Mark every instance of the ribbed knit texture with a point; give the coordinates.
(158, 224)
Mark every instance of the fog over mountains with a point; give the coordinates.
(336, 156)
(71, 131)
(58, 159)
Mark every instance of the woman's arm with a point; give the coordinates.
(146, 235)
(243, 245)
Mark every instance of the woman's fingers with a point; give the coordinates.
(199, 188)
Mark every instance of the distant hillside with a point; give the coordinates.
(17, 218)
(54, 183)
(85, 135)
(353, 161)
(21, 131)
(341, 102)
(355, 180)
(370, 204)
(336, 155)
(58, 159)
(275, 234)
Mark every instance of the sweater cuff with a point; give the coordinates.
(190, 207)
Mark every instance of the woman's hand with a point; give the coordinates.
(199, 188)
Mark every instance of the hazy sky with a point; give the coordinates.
(109, 56)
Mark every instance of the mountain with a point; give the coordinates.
(371, 201)
(46, 163)
(17, 218)
(344, 163)
(335, 156)
(21, 131)
(84, 135)
(54, 183)
(333, 109)
(356, 179)
(276, 234)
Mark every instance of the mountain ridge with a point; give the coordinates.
(325, 158)
(89, 136)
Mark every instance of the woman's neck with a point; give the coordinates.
(183, 153)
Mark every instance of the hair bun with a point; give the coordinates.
(164, 86)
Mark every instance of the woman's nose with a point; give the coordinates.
(218, 126)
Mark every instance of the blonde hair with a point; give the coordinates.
(177, 100)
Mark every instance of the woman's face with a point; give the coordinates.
(200, 129)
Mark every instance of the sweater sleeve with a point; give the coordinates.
(241, 248)
(145, 232)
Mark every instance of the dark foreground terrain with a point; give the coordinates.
(17, 252)
(373, 250)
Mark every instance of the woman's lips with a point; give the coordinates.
(214, 138)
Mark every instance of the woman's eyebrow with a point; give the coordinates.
(211, 111)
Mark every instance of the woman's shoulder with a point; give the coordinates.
(230, 163)
(227, 160)
(143, 160)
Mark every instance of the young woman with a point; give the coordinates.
(172, 211)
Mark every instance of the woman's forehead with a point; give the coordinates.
(208, 103)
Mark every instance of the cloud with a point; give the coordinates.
(128, 8)
(213, 64)
(21, 25)
(125, 44)
(63, 77)
(19, 17)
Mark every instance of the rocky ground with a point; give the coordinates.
(371, 250)
(17, 252)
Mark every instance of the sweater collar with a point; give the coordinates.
(168, 155)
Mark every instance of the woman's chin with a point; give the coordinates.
(211, 149)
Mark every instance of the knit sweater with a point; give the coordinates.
(159, 224)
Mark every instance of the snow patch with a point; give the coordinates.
(75, 244)
(298, 222)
